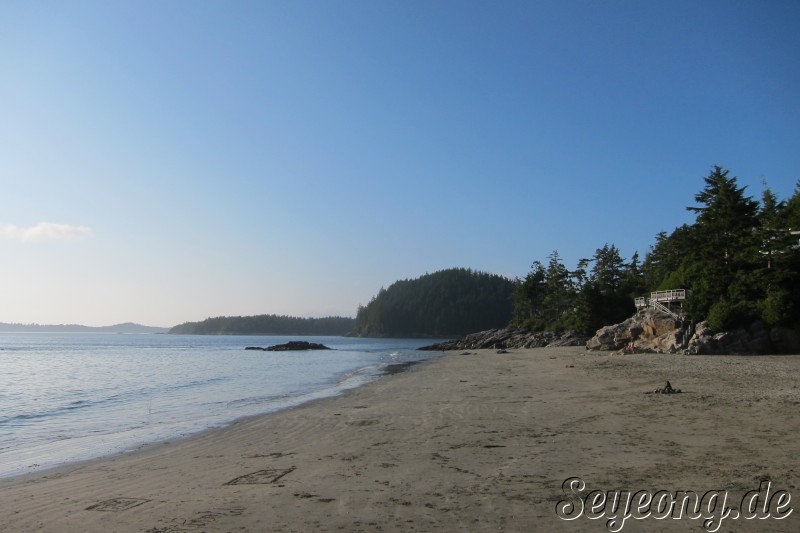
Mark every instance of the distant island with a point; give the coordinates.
(127, 327)
(267, 325)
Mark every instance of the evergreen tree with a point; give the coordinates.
(792, 210)
(605, 296)
(528, 297)
(447, 303)
(724, 252)
(554, 298)
(726, 218)
(740, 261)
(608, 271)
(665, 263)
(778, 268)
(558, 291)
(581, 316)
(633, 284)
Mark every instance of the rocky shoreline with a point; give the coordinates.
(502, 339)
(651, 331)
(648, 331)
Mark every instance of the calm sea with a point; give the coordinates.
(72, 396)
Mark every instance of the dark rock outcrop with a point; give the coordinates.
(291, 346)
(786, 340)
(758, 339)
(500, 339)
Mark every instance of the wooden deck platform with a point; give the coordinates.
(670, 301)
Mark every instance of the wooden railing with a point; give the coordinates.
(656, 299)
(664, 309)
(668, 296)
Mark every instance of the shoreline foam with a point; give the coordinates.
(24, 462)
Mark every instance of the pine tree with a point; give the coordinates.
(779, 260)
(726, 219)
(608, 270)
(633, 284)
(724, 253)
(558, 291)
(528, 296)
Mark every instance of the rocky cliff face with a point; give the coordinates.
(651, 331)
(646, 331)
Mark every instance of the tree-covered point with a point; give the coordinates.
(267, 325)
(598, 292)
(447, 303)
(739, 261)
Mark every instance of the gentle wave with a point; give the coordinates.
(68, 397)
(119, 398)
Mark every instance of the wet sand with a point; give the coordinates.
(479, 442)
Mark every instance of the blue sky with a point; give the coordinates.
(162, 162)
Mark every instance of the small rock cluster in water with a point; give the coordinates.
(291, 346)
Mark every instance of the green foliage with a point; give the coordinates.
(528, 296)
(726, 315)
(267, 325)
(676, 278)
(556, 299)
(559, 291)
(792, 210)
(739, 260)
(666, 259)
(447, 303)
(779, 308)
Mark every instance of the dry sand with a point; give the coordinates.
(476, 442)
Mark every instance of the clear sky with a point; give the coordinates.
(162, 162)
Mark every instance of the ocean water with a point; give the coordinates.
(66, 397)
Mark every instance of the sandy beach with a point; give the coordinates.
(479, 442)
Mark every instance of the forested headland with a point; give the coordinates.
(447, 303)
(739, 261)
(266, 325)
